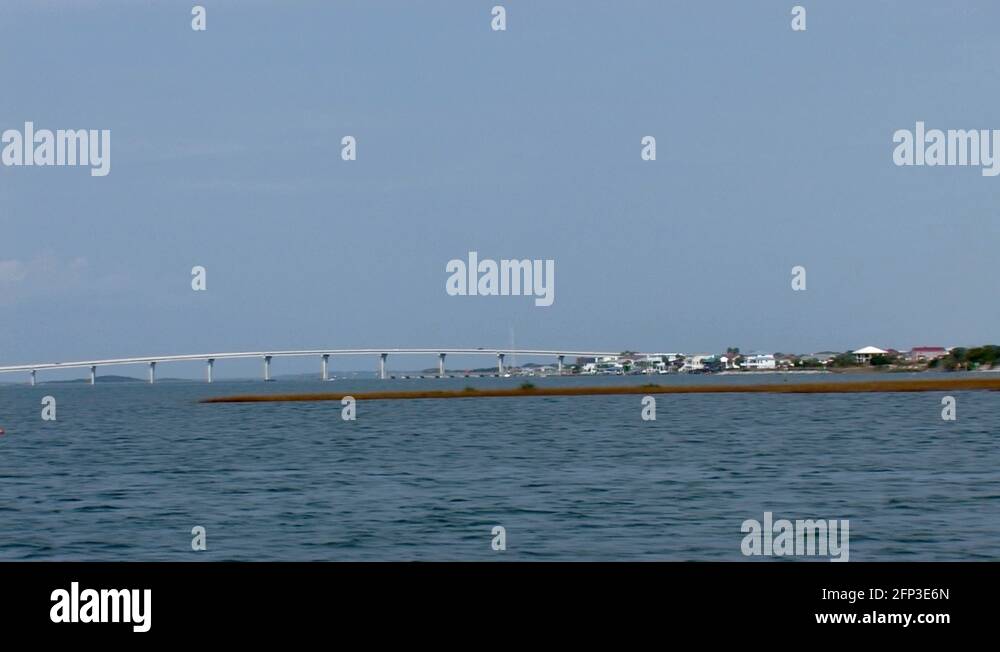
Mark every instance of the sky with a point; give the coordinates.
(774, 150)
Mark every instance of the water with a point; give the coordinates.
(129, 469)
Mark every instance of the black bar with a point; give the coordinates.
(711, 600)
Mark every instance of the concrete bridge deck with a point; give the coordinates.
(323, 354)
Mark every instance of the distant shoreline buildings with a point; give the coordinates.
(867, 358)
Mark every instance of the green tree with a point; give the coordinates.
(845, 359)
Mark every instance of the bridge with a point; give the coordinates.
(323, 355)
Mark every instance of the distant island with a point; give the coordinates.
(99, 379)
(110, 378)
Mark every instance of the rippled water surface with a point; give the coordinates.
(128, 469)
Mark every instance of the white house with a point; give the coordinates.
(696, 362)
(652, 363)
(759, 361)
(864, 356)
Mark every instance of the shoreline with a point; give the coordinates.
(850, 387)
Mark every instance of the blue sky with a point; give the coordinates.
(774, 149)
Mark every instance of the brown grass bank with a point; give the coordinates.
(846, 387)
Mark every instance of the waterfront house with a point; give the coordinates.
(759, 361)
(695, 362)
(864, 356)
(653, 363)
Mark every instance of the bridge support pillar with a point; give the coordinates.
(93, 374)
(33, 378)
(381, 365)
(326, 366)
(500, 363)
(440, 365)
(561, 364)
(152, 372)
(208, 369)
(267, 368)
